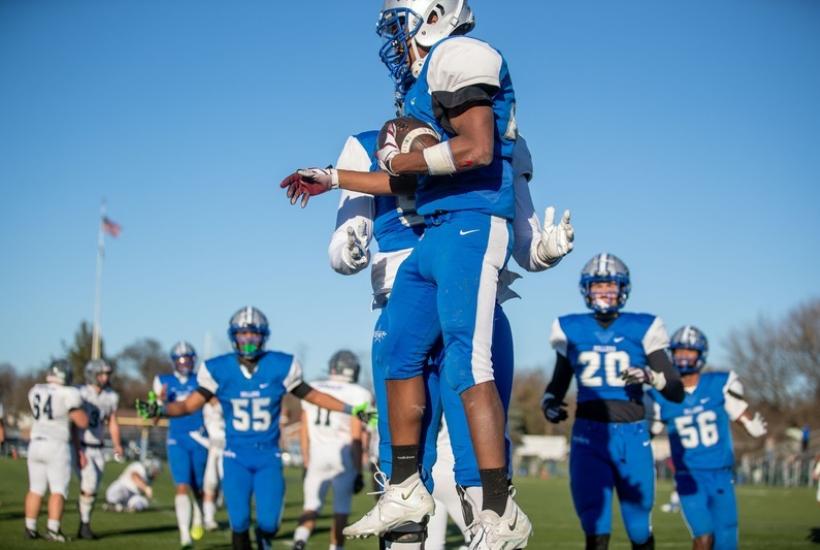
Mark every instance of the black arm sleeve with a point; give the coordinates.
(449, 104)
(204, 393)
(302, 390)
(659, 362)
(561, 377)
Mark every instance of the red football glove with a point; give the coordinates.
(308, 182)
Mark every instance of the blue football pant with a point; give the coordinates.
(466, 467)
(607, 456)
(447, 288)
(187, 460)
(254, 471)
(707, 498)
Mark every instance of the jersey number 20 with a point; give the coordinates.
(614, 362)
(251, 414)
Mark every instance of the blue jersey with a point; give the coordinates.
(455, 69)
(699, 428)
(600, 355)
(251, 402)
(178, 389)
(396, 225)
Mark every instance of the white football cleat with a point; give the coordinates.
(507, 532)
(407, 502)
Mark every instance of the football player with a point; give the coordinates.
(332, 447)
(131, 491)
(100, 403)
(701, 440)
(187, 445)
(250, 384)
(611, 354)
(392, 220)
(55, 405)
(215, 425)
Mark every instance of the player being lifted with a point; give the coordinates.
(611, 354)
(250, 384)
(100, 403)
(186, 443)
(701, 439)
(462, 88)
(55, 405)
(332, 447)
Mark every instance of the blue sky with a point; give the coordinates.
(685, 137)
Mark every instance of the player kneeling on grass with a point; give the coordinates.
(701, 441)
(54, 406)
(332, 450)
(132, 490)
(100, 403)
(250, 385)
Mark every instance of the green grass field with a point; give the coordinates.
(769, 518)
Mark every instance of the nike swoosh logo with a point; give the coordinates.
(618, 340)
(462, 232)
(514, 522)
(405, 496)
(263, 386)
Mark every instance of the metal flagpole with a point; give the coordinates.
(95, 338)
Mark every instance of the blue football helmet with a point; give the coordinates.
(689, 337)
(604, 268)
(60, 372)
(405, 24)
(249, 320)
(183, 355)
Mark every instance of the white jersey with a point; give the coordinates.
(329, 432)
(99, 407)
(214, 421)
(50, 405)
(126, 481)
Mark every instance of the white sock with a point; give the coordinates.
(183, 507)
(197, 512)
(209, 511)
(54, 525)
(302, 533)
(674, 498)
(31, 524)
(336, 547)
(86, 505)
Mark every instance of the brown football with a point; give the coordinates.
(411, 134)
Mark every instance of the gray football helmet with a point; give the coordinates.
(602, 268)
(60, 372)
(249, 319)
(183, 355)
(94, 368)
(690, 337)
(345, 364)
(152, 467)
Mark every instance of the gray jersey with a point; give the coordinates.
(99, 407)
(50, 405)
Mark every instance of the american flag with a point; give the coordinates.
(111, 227)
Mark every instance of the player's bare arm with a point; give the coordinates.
(78, 418)
(116, 437)
(304, 440)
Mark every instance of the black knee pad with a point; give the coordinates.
(597, 542)
(648, 545)
(241, 541)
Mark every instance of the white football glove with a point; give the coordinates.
(389, 150)
(556, 240)
(354, 253)
(638, 375)
(325, 177)
(755, 426)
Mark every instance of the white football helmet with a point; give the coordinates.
(404, 23)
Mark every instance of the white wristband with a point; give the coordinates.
(334, 178)
(439, 159)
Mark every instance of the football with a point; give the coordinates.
(411, 134)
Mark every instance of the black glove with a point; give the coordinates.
(553, 408)
(358, 484)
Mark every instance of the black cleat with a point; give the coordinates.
(32, 534)
(86, 533)
(299, 545)
(56, 536)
